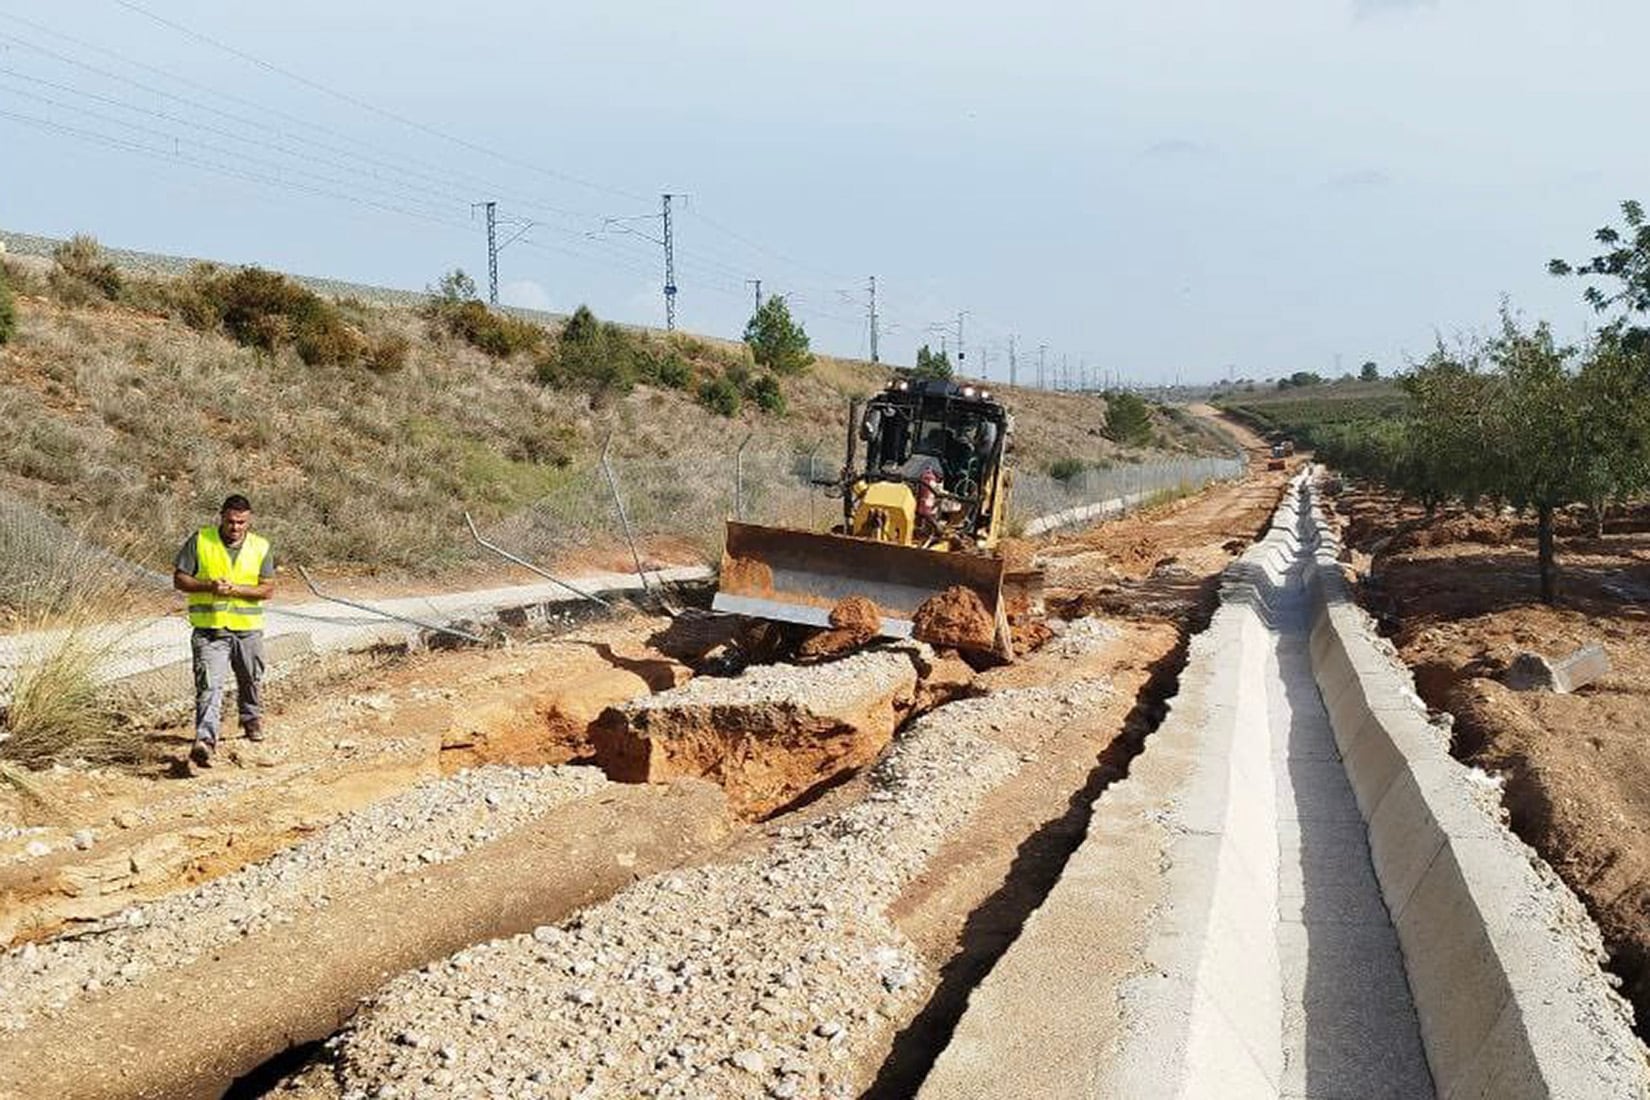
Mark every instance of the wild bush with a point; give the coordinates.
(720, 395)
(1128, 420)
(593, 355)
(388, 353)
(765, 392)
(1066, 469)
(260, 309)
(454, 308)
(83, 274)
(8, 309)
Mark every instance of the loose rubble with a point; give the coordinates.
(431, 823)
(779, 976)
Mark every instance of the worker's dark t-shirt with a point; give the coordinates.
(188, 562)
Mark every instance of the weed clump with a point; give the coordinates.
(83, 275)
(455, 309)
(268, 311)
(8, 309)
(720, 395)
(1066, 469)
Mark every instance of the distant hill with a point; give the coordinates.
(128, 419)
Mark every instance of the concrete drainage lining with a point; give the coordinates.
(1296, 893)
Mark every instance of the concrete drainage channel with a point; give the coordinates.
(1297, 893)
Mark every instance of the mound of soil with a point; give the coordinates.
(956, 618)
(747, 577)
(854, 621)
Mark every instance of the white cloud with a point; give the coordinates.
(524, 293)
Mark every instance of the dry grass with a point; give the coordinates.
(115, 411)
(58, 708)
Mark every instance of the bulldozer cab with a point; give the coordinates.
(954, 430)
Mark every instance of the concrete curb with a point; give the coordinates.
(1502, 961)
(1182, 855)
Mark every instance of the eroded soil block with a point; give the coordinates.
(956, 617)
(768, 735)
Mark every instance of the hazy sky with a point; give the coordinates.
(1151, 188)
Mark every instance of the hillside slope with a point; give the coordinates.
(124, 422)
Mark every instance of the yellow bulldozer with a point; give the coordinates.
(922, 514)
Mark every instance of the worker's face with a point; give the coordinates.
(232, 525)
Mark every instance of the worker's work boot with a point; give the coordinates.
(254, 730)
(200, 754)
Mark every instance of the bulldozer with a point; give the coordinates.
(922, 513)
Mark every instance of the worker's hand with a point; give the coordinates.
(223, 588)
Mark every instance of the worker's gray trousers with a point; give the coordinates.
(217, 653)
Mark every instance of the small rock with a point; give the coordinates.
(827, 1029)
(37, 848)
(751, 1062)
(126, 819)
(82, 839)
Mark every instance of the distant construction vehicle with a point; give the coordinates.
(922, 515)
(1280, 451)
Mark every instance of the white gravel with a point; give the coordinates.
(430, 823)
(777, 976)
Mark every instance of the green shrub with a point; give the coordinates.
(719, 395)
(83, 274)
(8, 310)
(455, 309)
(765, 392)
(598, 356)
(1128, 420)
(260, 309)
(673, 372)
(1065, 469)
(776, 340)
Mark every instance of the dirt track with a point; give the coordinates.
(368, 736)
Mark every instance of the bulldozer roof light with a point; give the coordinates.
(968, 391)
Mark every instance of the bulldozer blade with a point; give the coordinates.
(798, 576)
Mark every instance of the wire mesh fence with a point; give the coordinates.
(674, 509)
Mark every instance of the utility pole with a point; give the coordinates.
(492, 248)
(670, 268)
(1065, 372)
(757, 283)
(985, 362)
(1013, 366)
(874, 358)
(1042, 356)
(961, 355)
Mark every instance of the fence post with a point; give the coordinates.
(739, 479)
(624, 520)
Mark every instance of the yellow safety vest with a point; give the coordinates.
(209, 610)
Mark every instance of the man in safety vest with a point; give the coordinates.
(227, 572)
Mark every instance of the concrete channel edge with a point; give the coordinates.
(1502, 960)
(1181, 859)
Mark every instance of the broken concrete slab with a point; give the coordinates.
(771, 734)
(1534, 672)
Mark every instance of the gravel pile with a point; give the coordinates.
(833, 688)
(779, 976)
(431, 823)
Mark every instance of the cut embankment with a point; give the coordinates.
(191, 1029)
